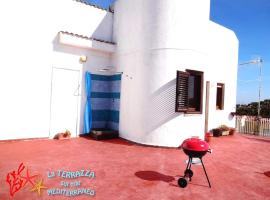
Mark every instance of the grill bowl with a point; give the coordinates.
(195, 147)
(194, 154)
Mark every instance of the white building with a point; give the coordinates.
(43, 50)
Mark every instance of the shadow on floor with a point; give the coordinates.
(206, 186)
(267, 173)
(117, 141)
(112, 141)
(154, 176)
(259, 139)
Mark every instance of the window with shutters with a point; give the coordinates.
(220, 96)
(189, 88)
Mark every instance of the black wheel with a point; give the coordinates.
(182, 182)
(188, 173)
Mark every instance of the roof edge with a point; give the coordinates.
(86, 37)
(93, 5)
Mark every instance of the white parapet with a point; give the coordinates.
(79, 41)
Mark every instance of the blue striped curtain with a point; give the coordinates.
(105, 101)
(88, 110)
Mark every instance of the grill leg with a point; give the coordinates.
(189, 163)
(205, 173)
(188, 167)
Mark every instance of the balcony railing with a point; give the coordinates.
(253, 125)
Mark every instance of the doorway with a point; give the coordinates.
(65, 89)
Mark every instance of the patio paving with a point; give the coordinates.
(124, 170)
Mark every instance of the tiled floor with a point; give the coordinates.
(125, 171)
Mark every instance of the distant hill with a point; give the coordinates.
(252, 108)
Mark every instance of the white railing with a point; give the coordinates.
(253, 125)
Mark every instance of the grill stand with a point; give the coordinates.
(188, 173)
(205, 173)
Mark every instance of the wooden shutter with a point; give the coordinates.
(181, 91)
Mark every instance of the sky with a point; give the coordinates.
(250, 20)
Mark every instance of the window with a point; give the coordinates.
(220, 96)
(189, 88)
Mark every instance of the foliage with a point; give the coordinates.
(224, 128)
(252, 109)
(67, 133)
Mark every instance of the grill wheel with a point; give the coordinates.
(182, 182)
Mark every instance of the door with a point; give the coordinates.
(64, 101)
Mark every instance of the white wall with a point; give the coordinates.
(29, 50)
(166, 36)
(154, 39)
(224, 51)
(68, 57)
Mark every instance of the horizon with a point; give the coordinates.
(253, 102)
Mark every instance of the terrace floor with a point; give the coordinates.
(237, 169)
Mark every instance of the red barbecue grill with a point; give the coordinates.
(194, 148)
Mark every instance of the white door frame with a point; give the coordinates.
(78, 90)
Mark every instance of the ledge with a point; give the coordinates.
(80, 41)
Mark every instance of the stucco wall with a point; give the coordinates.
(154, 39)
(224, 58)
(166, 36)
(29, 49)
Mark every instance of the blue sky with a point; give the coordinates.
(102, 3)
(250, 20)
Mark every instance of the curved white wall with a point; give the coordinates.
(224, 61)
(154, 39)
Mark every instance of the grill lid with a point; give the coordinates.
(195, 144)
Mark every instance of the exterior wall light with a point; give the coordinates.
(83, 59)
